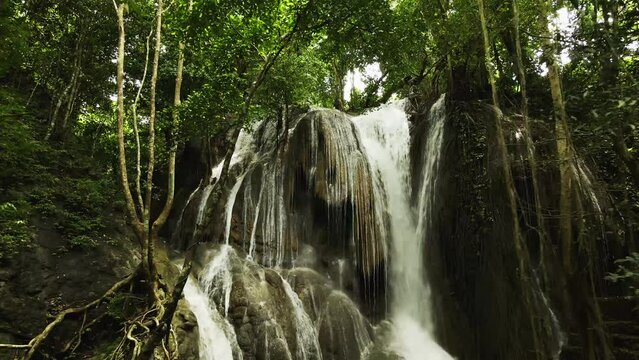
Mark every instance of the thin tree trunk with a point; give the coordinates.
(58, 105)
(177, 100)
(124, 181)
(164, 323)
(443, 6)
(530, 146)
(153, 276)
(62, 126)
(56, 127)
(610, 67)
(625, 154)
(564, 145)
(32, 92)
(338, 86)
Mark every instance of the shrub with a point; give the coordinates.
(627, 273)
(15, 232)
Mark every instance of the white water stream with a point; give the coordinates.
(217, 339)
(386, 139)
(213, 342)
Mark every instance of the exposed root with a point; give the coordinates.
(76, 340)
(164, 325)
(14, 346)
(142, 334)
(136, 343)
(36, 342)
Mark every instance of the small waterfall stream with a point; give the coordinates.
(306, 335)
(217, 340)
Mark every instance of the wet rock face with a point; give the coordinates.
(343, 332)
(381, 347)
(259, 309)
(186, 331)
(312, 288)
(288, 315)
(307, 199)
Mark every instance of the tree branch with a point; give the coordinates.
(177, 100)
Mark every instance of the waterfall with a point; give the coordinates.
(229, 208)
(320, 157)
(337, 184)
(386, 139)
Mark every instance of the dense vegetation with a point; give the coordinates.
(94, 90)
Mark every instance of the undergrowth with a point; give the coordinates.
(41, 183)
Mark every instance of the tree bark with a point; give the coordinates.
(177, 100)
(629, 160)
(61, 127)
(501, 142)
(167, 317)
(338, 86)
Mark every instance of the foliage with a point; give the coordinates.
(15, 232)
(57, 185)
(627, 273)
(13, 37)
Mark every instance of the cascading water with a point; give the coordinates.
(307, 343)
(217, 340)
(213, 342)
(385, 136)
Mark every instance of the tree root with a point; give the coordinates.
(164, 323)
(34, 345)
(141, 335)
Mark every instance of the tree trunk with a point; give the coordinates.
(153, 276)
(530, 146)
(626, 156)
(53, 120)
(610, 66)
(443, 7)
(138, 228)
(568, 196)
(338, 86)
(134, 110)
(63, 126)
(565, 154)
